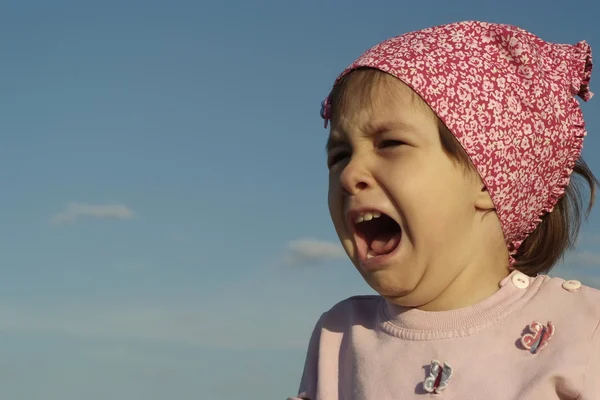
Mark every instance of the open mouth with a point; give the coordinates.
(377, 234)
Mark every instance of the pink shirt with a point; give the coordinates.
(365, 348)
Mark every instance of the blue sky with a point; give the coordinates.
(164, 231)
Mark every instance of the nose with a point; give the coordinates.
(355, 177)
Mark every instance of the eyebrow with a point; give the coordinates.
(382, 127)
(374, 130)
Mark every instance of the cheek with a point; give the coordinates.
(417, 188)
(431, 182)
(444, 210)
(334, 201)
(332, 195)
(431, 200)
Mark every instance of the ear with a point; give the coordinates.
(483, 200)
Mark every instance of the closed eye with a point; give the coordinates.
(390, 143)
(335, 158)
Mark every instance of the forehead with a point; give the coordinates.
(366, 100)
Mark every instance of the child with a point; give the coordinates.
(450, 156)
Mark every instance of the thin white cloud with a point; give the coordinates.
(209, 328)
(312, 251)
(78, 210)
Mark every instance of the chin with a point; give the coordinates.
(389, 285)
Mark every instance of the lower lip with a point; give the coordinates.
(378, 262)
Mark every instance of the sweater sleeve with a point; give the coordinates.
(591, 384)
(308, 384)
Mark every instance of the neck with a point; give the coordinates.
(481, 272)
(471, 286)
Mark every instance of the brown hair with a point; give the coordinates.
(559, 229)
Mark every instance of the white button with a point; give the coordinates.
(520, 280)
(571, 286)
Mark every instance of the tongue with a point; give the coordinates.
(385, 243)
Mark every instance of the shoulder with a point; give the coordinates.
(352, 311)
(576, 307)
(342, 319)
(571, 293)
(571, 301)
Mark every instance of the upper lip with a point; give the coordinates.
(353, 212)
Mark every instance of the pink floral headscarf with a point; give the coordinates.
(508, 97)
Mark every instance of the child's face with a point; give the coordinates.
(388, 159)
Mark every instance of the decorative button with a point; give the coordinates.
(438, 377)
(571, 286)
(520, 280)
(538, 338)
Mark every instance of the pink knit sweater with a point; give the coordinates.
(365, 348)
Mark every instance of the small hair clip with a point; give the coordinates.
(438, 378)
(538, 338)
(326, 111)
